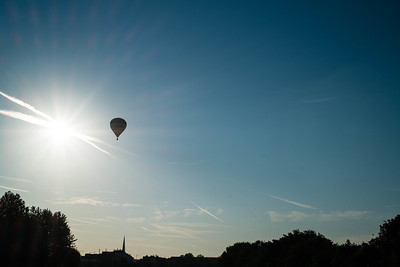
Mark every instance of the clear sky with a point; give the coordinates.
(246, 119)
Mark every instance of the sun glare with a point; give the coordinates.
(60, 132)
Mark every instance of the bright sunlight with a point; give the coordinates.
(60, 132)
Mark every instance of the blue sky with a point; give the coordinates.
(246, 120)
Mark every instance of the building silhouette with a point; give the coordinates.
(116, 258)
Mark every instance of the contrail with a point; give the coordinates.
(26, 105)
(172, 229)
(82, 221)
(49, 123)
(294, 203)
(12, 189)
(85, 139)
(15, 179)
(207, 212)
(25, 117)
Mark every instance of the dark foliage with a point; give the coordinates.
(387, 244)
(183, 261)
(34, 237)
(295, 249)
(311, 249)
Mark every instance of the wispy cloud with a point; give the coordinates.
(197, 225)
(111, 218)
(318, 216)
(48, 122)
(75, 230)
(16, 179)
(95, 191)
(207, 212)
(156, 233)
(25, 105)
(25, 117)
(13, 189)
(160, 215)
(93, 202)
(83, 221)
(136, 220)
(92, 220)
(177, 231)
(189, 212)
(153, 246)
(342, 215)
(291, 216)
(173, 231)
(293, 203)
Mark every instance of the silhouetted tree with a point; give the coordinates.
(346, 255)
(12, 206)
(387, 244)
(240, 254)
(72, 257)
(14, 227)
(295, 249)
(304, 249)
(33, 236)
(152, 261)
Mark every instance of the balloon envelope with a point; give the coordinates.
(118, 125)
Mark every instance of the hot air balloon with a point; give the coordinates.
(118, 125)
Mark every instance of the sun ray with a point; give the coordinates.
(60, 132)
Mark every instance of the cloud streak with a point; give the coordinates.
(15, 179)
(341, 215)
(207, 212)
(136, 220)
(160, 215)
(49, 123)
(296, 216)
(93, 202)
(173, 231)
(178, 231)
(25, 117)
(25, 105)
(91, 220)
(13, 189)
(82, 221)
(293, 203)
(293, 216)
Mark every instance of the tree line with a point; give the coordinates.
(308, 248)
(299, 248)
(30, 236)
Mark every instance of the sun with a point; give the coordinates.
(60, 133)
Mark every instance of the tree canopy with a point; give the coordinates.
(34, 236)
(30, 236)
(299, 248)
(308, 248)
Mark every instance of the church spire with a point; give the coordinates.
(123, 245)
